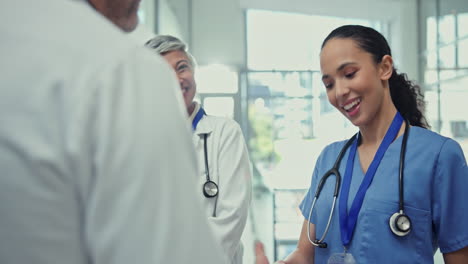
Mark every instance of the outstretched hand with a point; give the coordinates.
(260, 257)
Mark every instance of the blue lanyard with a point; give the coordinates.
(197, 118)
(348, 221)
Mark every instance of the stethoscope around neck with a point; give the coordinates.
(210, 188)
(399, 222)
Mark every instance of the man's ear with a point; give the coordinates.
(386, 67)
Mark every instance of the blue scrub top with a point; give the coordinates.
(435, 183)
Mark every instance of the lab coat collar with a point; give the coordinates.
(205, 126)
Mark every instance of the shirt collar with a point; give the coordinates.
(204, 126)
(194, 113)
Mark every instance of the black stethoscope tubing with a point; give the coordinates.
(333, 171)
(397, 227)
(402, 167)
(210, 188)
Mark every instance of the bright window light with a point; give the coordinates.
(219, 106)
(216, 78)
(289, 41)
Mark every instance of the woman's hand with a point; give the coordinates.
(260, 257)
(303, 254)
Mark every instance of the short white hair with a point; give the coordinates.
(163, 44)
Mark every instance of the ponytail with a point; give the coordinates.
(408, 99)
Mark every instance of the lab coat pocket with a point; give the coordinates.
(380, 245)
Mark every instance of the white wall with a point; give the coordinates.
(404, 42)
(218, 32)
(147, 14)
(146, 26)
(372, 9)
(169, 19)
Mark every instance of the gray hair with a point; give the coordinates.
(163, 44)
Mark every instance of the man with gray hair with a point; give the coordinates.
(224, 183)
(166, 45)
(92, 137)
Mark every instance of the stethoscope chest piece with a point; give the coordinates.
(210, 189)
(400, 224)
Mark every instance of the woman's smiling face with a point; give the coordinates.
(355, 84)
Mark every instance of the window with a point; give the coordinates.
(288, 116)
(445, 80)
(217, 89)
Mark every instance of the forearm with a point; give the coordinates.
(298, 257)
(457, 257)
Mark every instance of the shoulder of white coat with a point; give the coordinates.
(70, 46)
(75, 37)
(223, 124)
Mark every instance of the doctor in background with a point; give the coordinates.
(91, 140)
(224, 176)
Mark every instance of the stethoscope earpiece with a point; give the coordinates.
(400, 224)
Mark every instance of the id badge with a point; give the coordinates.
(341, 258)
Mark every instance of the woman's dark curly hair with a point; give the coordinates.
(406, 95)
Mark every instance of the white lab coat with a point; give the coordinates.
(230, 169)
(96, 158)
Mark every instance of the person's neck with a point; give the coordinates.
(373, 133)
(191, 108)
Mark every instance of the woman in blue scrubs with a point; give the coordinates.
(362, 83)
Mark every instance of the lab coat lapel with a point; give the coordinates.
(204, 126)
